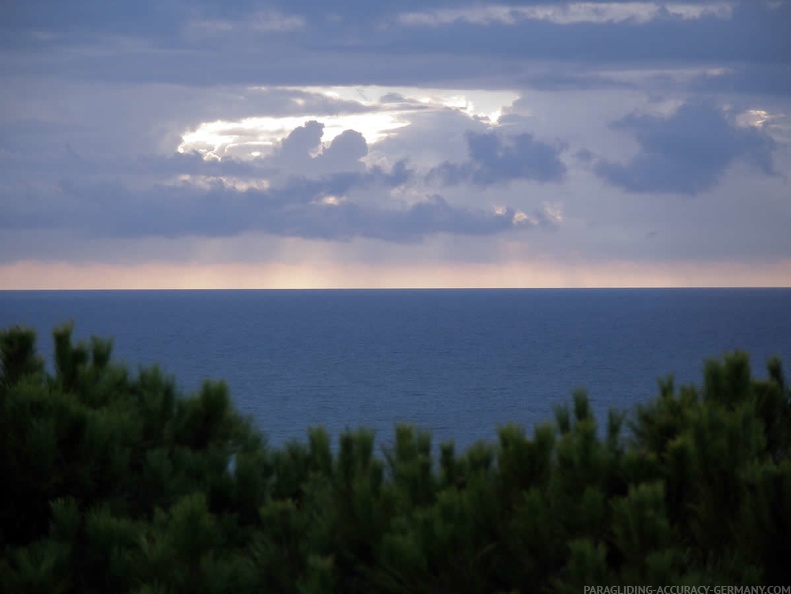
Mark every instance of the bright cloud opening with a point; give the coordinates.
(218, 139)
(256, 136)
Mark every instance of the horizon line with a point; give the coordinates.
(384, 289)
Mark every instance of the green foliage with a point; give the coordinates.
(116, 482)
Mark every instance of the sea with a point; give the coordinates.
(458, 363)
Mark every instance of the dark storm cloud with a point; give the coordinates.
(360, 42)
(308, 197)
(299, 208)
(431, 216)
(754, 31)
(687, 152)
(497, 158)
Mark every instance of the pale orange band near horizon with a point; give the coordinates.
(32, 275)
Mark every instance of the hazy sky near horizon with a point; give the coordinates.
(370, 144)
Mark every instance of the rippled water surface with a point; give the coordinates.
(458, 362)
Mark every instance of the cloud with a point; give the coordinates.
(566, 13)
(430, 216)
(495, 158)
(302, 152)
(619, 34)
(350, 44)
(256, 23)
(304, 188)
(687, 152)
(303, 140)
(395, 132)
(345, 149)
(316, 209)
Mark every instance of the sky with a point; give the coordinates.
(358, 144)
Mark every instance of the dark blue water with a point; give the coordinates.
(458, 362)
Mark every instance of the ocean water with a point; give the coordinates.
(456, 362)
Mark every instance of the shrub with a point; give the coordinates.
(115, 482)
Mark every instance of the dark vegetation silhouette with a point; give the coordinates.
(115, 482)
